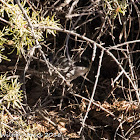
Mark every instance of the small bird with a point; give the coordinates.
(76, 72)
(70, 70)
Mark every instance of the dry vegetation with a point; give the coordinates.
(70, 69)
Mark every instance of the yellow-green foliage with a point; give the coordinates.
(2, 48)
(10, 93)
(10, 98)
(18, 35)
(19, 30)
(115, 7)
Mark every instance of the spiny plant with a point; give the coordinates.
(17, 35)
(10, 92)
(11, 111)
(2, 48)
(19, 30)
(115, 7)
(10, 98)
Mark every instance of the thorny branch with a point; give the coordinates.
(102, 48)
(93, 92)
(78, 15)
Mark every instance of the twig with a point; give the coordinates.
(52, 6)
(54, 68)
(61, 101)
(122, 44)
(5, 21)
(120, 126)
(102, 48)
(94, 52)
(66, 2)
(6, 4)
(138, 13)
(37, 45)
(72, 7)
(120, 74)
(41, 113)
(132, 127)
(94, 103)
(93, 92)
(32, 50)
